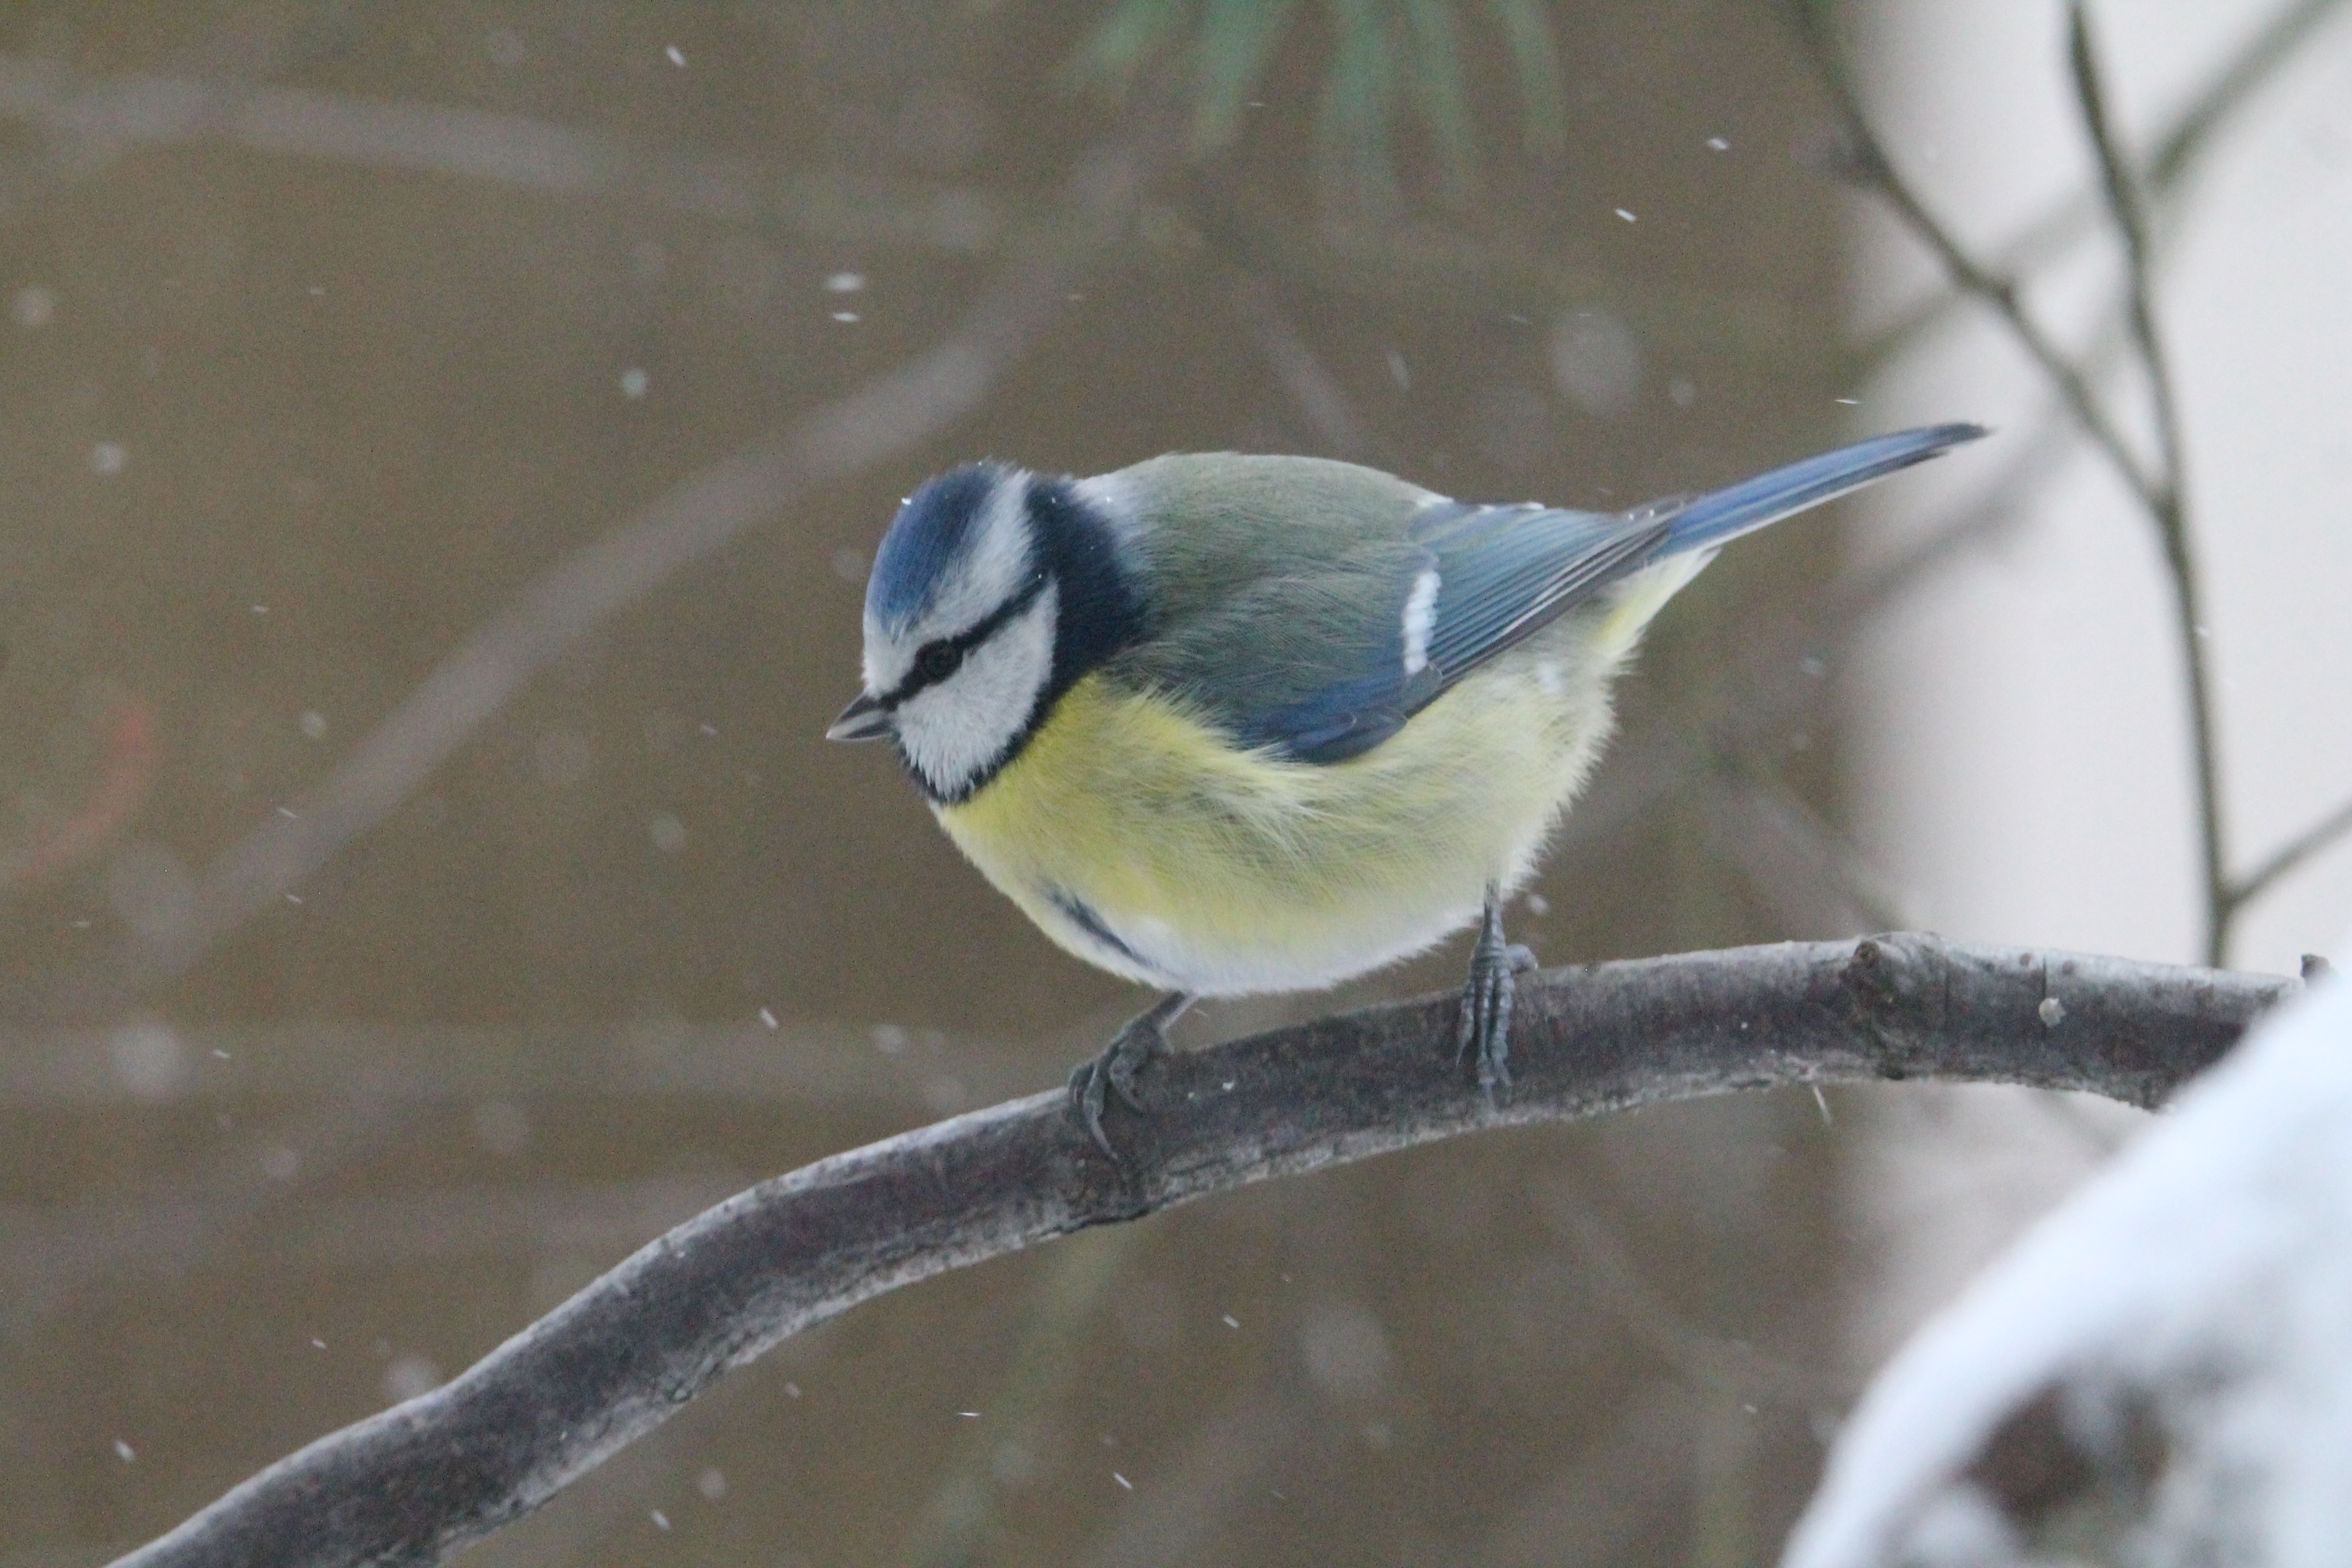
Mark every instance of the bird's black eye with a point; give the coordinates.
(937, 661)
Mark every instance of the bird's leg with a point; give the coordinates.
(1129, 1051)
(1485, 1021)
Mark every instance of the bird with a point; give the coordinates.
(1228, 724)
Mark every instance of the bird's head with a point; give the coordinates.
(968, 613)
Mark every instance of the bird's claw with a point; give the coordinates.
(1141, 1041)
(1484, 1021)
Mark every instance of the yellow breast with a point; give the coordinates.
(1143, 842)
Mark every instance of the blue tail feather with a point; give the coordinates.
(1722, 515)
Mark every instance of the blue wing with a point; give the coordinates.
(1478, 581)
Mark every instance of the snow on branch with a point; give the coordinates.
(2159, 1373)
(417, 1483)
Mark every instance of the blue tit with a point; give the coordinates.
(1228, 724)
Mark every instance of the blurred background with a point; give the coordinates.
(441, 443)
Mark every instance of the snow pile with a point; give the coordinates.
(2159, 1373)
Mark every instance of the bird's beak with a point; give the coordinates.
(864, 719)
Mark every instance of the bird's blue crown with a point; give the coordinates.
(931, 530)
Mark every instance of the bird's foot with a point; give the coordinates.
(1484, 1023)
(1135, 1046)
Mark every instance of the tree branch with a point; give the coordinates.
(416, 1484)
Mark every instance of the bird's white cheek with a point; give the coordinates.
(955, 729)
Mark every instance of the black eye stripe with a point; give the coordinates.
(964, 641)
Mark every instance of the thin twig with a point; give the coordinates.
(2167, 497)
(1867, 160)
(2298, 849)
(2232, 87)
(2169, 165)
(417, 1483)
(2160, 488)
(1775, 705)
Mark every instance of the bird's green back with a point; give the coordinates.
(1272, 577)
